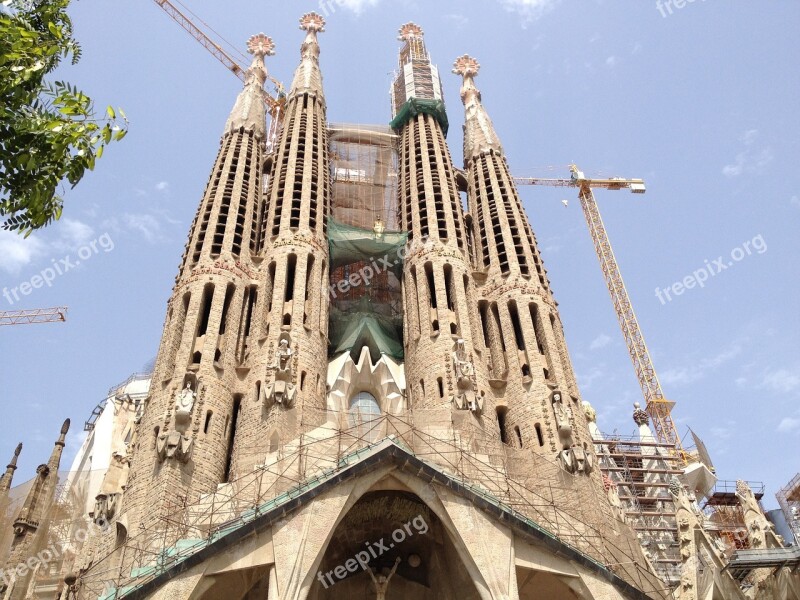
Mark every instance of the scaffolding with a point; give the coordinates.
(520, 482)
(642, 471)
(725, 518)
(789, 500)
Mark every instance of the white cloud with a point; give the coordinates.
(751, 160)
(357, 6)
(611, 61)
(530, 10)
(162, 186)
(146, 225)
(684, 375)
(17, 252)
(72, 234)
(585, 380)
(749, 136)
(789, 424)
(782, 381)
(458, 21)
(601, 341)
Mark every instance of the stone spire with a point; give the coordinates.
(249, 112)
(530, 369)
(5, 479)
(479, 134)
(34, 510)
(307, 76)
(290, 321)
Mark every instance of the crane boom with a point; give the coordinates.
(31, 316)
(274, 105)
(658, 407)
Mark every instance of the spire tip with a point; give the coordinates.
(466, 66)
(65, 427)
(410, 31)
(261, 45)
(312, 21)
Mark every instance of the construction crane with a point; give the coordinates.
(274, 103)
(658, 407)
(35, 315)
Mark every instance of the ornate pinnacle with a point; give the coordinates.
(675, 486)
(640, 417)
(410, 31)
(312, 22)
(466, 66)
(13, 463)
(261, 45)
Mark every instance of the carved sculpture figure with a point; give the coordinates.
(184, 403)
(463, 369)
(381, 582)
(176, 443)
(563, 423)
(107, 501)
(281, 390)
(613, 497)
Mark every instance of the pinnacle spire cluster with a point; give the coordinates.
(479, 132)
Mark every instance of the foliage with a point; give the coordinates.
(48, 131)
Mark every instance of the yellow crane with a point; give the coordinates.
(658, 407)
(274, 103)
(35, 315)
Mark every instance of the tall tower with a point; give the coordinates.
(185, 436)
(26, 525)
(538, 405)
(8, 476)
(288, 374)
(442, 364)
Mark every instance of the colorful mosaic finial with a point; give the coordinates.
(466, 66)
(410, 31)
(261, 45)
(312, 22)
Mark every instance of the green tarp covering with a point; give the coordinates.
(359, 327)
(413, 107)
(348, 245)
(366, 270)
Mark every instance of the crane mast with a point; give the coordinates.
(658, 407)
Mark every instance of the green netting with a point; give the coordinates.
(414, 106)
(365, 290)
(360, 326)
(348, 245)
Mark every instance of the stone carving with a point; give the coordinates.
(563, 421)
(176, 443)
(757, 524)
(640, 416)
(589, 412)
(381, 582)
(613, 497)
(573, 458)
(464, 372)
(107, 501)
(282, 389)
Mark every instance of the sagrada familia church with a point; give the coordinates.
(363, 390)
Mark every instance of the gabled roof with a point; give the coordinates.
(387, 452)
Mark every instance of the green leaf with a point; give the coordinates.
(110, 113)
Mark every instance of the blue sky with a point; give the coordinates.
(701, 103)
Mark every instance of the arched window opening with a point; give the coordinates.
(364, 416)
